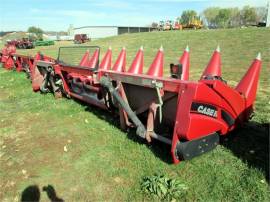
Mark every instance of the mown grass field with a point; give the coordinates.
(83, 154)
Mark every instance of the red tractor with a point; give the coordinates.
(80, 38)
(23, 43)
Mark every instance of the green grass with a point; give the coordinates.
(102, 163)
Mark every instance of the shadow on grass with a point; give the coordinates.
(51, 193)
(250, 143)
(32, 193)
(159, 149)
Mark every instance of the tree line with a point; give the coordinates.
(36, 33)
(215, 17)
(234, 17)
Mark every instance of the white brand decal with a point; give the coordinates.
(207, 111)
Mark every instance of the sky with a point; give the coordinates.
(56, 15)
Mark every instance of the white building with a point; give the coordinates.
(96, 32)
(268, 15)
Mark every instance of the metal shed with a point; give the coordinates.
(96, 32)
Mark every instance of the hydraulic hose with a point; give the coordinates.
(105, 82)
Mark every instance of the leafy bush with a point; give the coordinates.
(163, 187)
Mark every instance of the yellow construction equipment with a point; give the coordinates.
(195, 23)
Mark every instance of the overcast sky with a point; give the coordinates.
(59, 14)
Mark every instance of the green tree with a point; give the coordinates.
(210, 15)
(235, 17)
(223, 18)
(37, 31)
(248, 15)
(187, 16)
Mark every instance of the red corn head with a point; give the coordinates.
(189, 116)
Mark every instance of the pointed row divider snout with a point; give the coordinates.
(214, 66)
(85, 59)
(184, 61)
(94, 59)
(137, 64)
(156, 68)
(106, 62)
(248, 84)
(120, 64)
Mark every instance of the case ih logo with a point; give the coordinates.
(205, 109)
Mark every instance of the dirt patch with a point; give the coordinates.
(23, 158)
